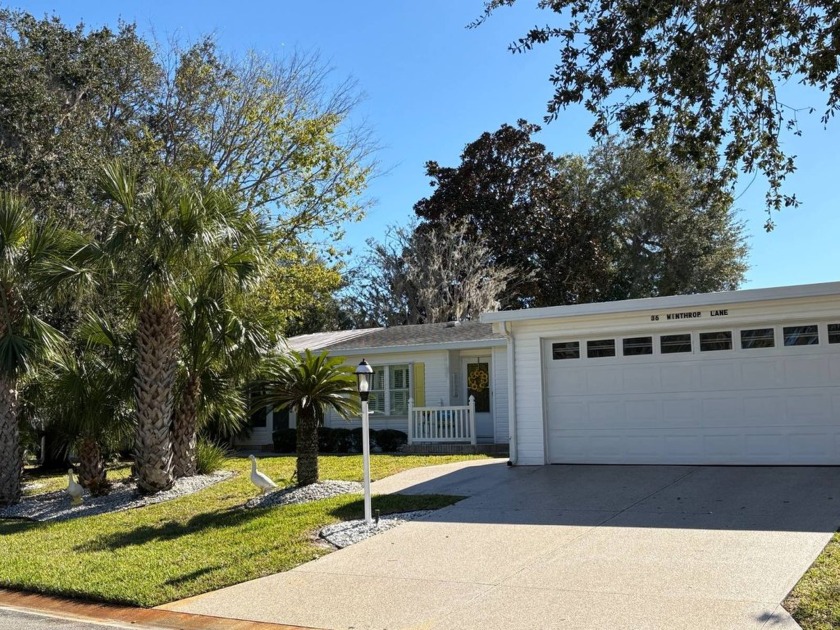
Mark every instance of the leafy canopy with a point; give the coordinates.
(622, 222)
(709, 73)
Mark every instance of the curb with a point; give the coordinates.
(80, 610)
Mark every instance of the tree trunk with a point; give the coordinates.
(157, 347)
(184, 429)
(307, 447)
(92, 473)
(11, 458)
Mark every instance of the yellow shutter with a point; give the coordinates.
(419, 384)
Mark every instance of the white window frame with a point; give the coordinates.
(388, 388)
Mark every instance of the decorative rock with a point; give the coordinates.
(53, 506)
(347, 533)
(305, 494)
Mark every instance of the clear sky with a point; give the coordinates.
(432, 86)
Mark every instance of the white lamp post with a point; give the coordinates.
(364, 375)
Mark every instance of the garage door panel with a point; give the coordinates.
(605, 379)
(679, 376)
(776, 406)
(643, 411)
(808, 408)
(807, 371)
(719, 376)
(811, 445)
(643, 378)
(681, 411)
(761, 373)
(720, 412)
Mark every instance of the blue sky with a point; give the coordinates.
(431, 86)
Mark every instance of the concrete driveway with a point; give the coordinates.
(566, 547)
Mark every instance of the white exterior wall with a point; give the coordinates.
(529, 336)
(437, 386)
(499, 377)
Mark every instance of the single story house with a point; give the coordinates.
(739, 377)
(428, 372)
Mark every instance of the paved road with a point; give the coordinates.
(15, 620)
(589, 547)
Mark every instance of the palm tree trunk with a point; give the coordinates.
(92, 473)
(184, 429)
(307, 447)
(157, 347)
(11, 458)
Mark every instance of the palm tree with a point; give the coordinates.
(25, 245)
(88, 398)
(220, 351)
(309, 385)
(160, 237)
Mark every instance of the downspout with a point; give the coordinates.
(511, 365)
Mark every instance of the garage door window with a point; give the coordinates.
(600, 348)
(834, 333)
(757, 338)
(634, 346)
(713, 341)
(801, 335)
(565, 350)
(670, 344)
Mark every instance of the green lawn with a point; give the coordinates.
(815, 601)
(202, 542)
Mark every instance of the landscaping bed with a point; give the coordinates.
(198, 543)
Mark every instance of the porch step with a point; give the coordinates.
(495, 450)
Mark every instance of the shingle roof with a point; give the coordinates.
(414, 335)
(321, 340)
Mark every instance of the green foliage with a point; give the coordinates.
(285, 440)
(706, 72)
(308, 383)
(622, 222)
(334, 440)
(390, 440)
(815, 601)
(428, 274)
(210, 456)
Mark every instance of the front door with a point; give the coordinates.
(477, 382)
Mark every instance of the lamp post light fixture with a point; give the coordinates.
(364, 376)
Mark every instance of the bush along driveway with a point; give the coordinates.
(195, 544)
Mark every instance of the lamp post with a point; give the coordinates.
(364, 375)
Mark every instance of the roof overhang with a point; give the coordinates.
(420, 347)
(824, 289)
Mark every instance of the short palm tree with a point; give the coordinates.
(89, 398)
(309, 385)
(25, 245)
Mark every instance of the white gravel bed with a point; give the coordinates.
(56, 506)
(305, 494)
(347, 533)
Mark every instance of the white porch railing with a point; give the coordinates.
(441, 424)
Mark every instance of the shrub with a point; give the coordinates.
(334, 440)
(210, 456)
(390, 440)
(285, 440)
(356, 440)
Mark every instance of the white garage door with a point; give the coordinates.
(761, 395)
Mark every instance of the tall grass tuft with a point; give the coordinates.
(210, 456)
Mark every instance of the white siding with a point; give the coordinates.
(500, 395)
(529, 413)
(529, 336)
(437, 386)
